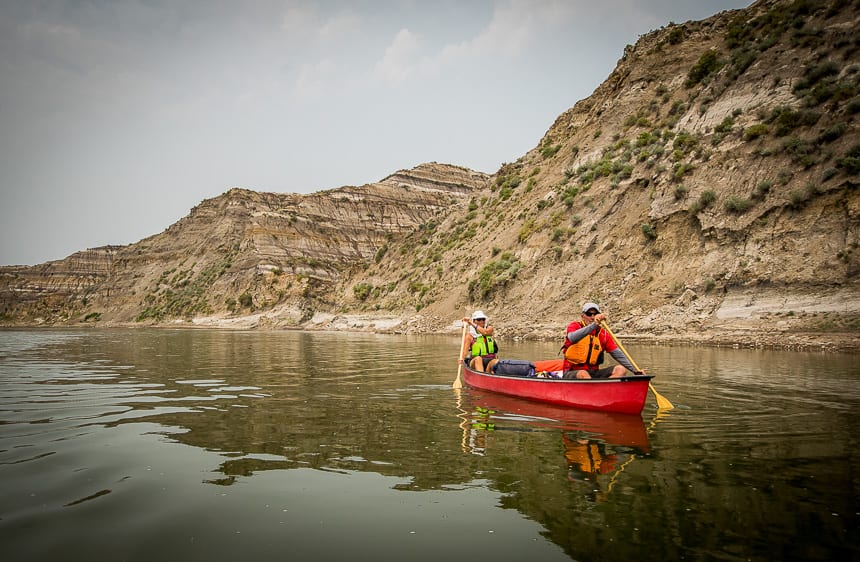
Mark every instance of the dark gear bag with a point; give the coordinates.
(515, 367)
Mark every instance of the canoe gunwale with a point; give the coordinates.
(591, 394)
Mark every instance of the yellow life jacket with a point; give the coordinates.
(484, 345)
(586, 351)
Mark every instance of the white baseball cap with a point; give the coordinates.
(589, 305)
(479, 315)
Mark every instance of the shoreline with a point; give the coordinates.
(743, 338)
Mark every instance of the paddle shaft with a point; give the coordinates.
(621, 347)
(457, 382)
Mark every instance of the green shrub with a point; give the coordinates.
(762, 189)
(742, 59)
(494, 275)
(526, 231)
(682, 169)
(677, 108)
(802, 151)
(832, 133)
(649, 231)
(380, 253)
(708, 64)
(755, 131)
(737, 205)
(815, 74)
(785, 120)
(362, 290)
(706, 199)
(851, 161)
(548, 151)
(246, 300)
(725, 126)
(685, 142)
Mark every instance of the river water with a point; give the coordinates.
(218, 445)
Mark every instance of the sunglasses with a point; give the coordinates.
(480, 319)
(590, 314)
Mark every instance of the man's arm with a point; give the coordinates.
(577, 335)
(622, 359)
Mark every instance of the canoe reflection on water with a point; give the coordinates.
(597, 446)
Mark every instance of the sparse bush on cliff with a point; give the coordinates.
(362, 290)
(494, 275)
(762, 189)
(380, 253)
(785, 120)
(527, 229)
(649, 231)
(706, 199)
(548, 151)
(708, 64)
(737, 205)
(832, 133)
(851, 161)
(755, 131)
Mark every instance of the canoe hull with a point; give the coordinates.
(625, 395)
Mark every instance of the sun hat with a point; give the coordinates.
(478, 315)
(589, 305)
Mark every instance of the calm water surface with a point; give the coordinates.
(213, 445)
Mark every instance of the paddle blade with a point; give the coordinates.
(662, 402)
(457, 382)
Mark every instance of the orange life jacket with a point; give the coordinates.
(585, 352)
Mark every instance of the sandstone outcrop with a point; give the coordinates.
(237, 253)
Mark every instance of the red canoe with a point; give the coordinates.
(625, 395)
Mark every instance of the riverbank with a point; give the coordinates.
(749, 337)
(798, 334)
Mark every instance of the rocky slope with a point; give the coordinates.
(706, 192)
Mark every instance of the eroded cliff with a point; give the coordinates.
(705, 191)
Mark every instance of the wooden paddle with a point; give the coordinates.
(457, 382)
(662, 403)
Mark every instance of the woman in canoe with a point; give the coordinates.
(482, 346)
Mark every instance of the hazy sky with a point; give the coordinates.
(118, 116)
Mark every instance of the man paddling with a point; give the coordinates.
(584, 346)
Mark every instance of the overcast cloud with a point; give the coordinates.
(118, 116)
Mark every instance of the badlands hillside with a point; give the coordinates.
(705, 192)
